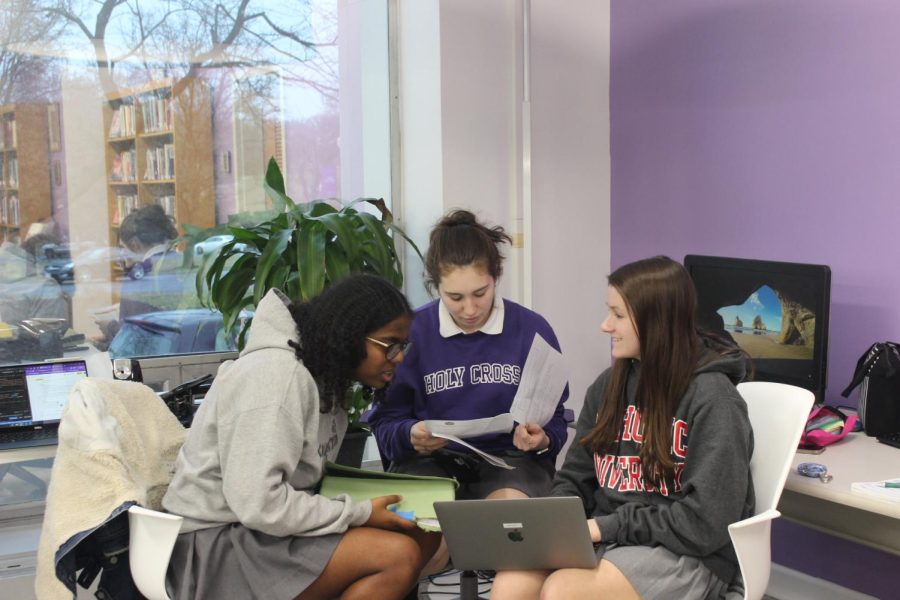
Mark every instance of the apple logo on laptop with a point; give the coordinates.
(514, 531)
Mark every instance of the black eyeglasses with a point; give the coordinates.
(392, 350)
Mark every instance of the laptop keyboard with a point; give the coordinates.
(891, 439)
(28, 437)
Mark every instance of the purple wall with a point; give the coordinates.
(770, 130)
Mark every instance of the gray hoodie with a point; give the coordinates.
(256, 449)
(690, 513)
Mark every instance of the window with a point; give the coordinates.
(132, 133)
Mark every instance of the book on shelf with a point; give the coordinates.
(123, 167)
(122, 121)
(160, 163)
(157, 114)
(419, 492)
(168, 205)
(887, 490)
(125, 205)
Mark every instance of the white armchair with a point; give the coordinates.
(778, 413)
(151, 538)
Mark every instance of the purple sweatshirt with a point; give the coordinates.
(465, 376)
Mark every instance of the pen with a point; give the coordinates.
(892, 484)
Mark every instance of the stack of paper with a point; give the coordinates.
(419, 492)
(887, 490)
(456, 430)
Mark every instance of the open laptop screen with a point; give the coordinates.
(34, 395)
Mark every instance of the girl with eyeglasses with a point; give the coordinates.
(469, 349)
(246, 478)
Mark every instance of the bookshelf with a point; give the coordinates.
(159, 150)
(24, 168)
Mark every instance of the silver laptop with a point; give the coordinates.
(32, 398)
(529, 533)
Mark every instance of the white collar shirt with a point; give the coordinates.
(493, 325)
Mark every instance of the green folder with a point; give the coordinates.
(419, 492)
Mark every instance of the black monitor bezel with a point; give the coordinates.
(819, 274)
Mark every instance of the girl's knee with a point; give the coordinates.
(561, 584)
(402, 551)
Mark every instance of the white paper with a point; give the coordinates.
(472, 428)
(543, 380)
(877, 489)
(99, 365)
(494, 460)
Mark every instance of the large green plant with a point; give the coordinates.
(299, 249)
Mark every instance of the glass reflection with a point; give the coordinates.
(132, 133)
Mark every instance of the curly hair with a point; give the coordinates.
(148, 225)
(459, 240)
(333, 327)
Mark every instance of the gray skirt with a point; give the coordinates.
(232, 561)
(657, 573)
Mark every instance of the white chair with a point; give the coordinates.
(152, 537)
(778, 413)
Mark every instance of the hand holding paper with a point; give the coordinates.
(472, 428)
(494, 460)
(529, 437)
(454, 431)
(422, 440)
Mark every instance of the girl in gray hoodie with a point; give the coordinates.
(661, 457)
(246, 478)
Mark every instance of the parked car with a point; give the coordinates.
(179, 331)
(99, 264)
(58, 262)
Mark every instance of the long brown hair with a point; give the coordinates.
(662, 302)
(459, 240)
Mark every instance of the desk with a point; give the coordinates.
(24, 475)
(832, 507)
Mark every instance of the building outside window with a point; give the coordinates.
(133, 132)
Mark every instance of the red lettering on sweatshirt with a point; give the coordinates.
(625, 473)
(631, 467)
(632, 431)
(679, 438)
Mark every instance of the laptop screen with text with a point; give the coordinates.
(35, 395)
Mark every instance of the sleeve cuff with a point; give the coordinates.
(363, 512)
(609, 527)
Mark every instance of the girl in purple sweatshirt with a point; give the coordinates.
(469, 348)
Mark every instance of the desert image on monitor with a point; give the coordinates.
(769, 324)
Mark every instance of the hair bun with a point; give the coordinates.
(459, 217)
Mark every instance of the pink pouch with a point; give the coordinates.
(827, 425)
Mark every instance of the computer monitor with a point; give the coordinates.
(776, 311)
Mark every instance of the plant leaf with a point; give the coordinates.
(274, 187)
(379, 245)
(340, 224)
(271, 255)
(310, 247)
(336, 265)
